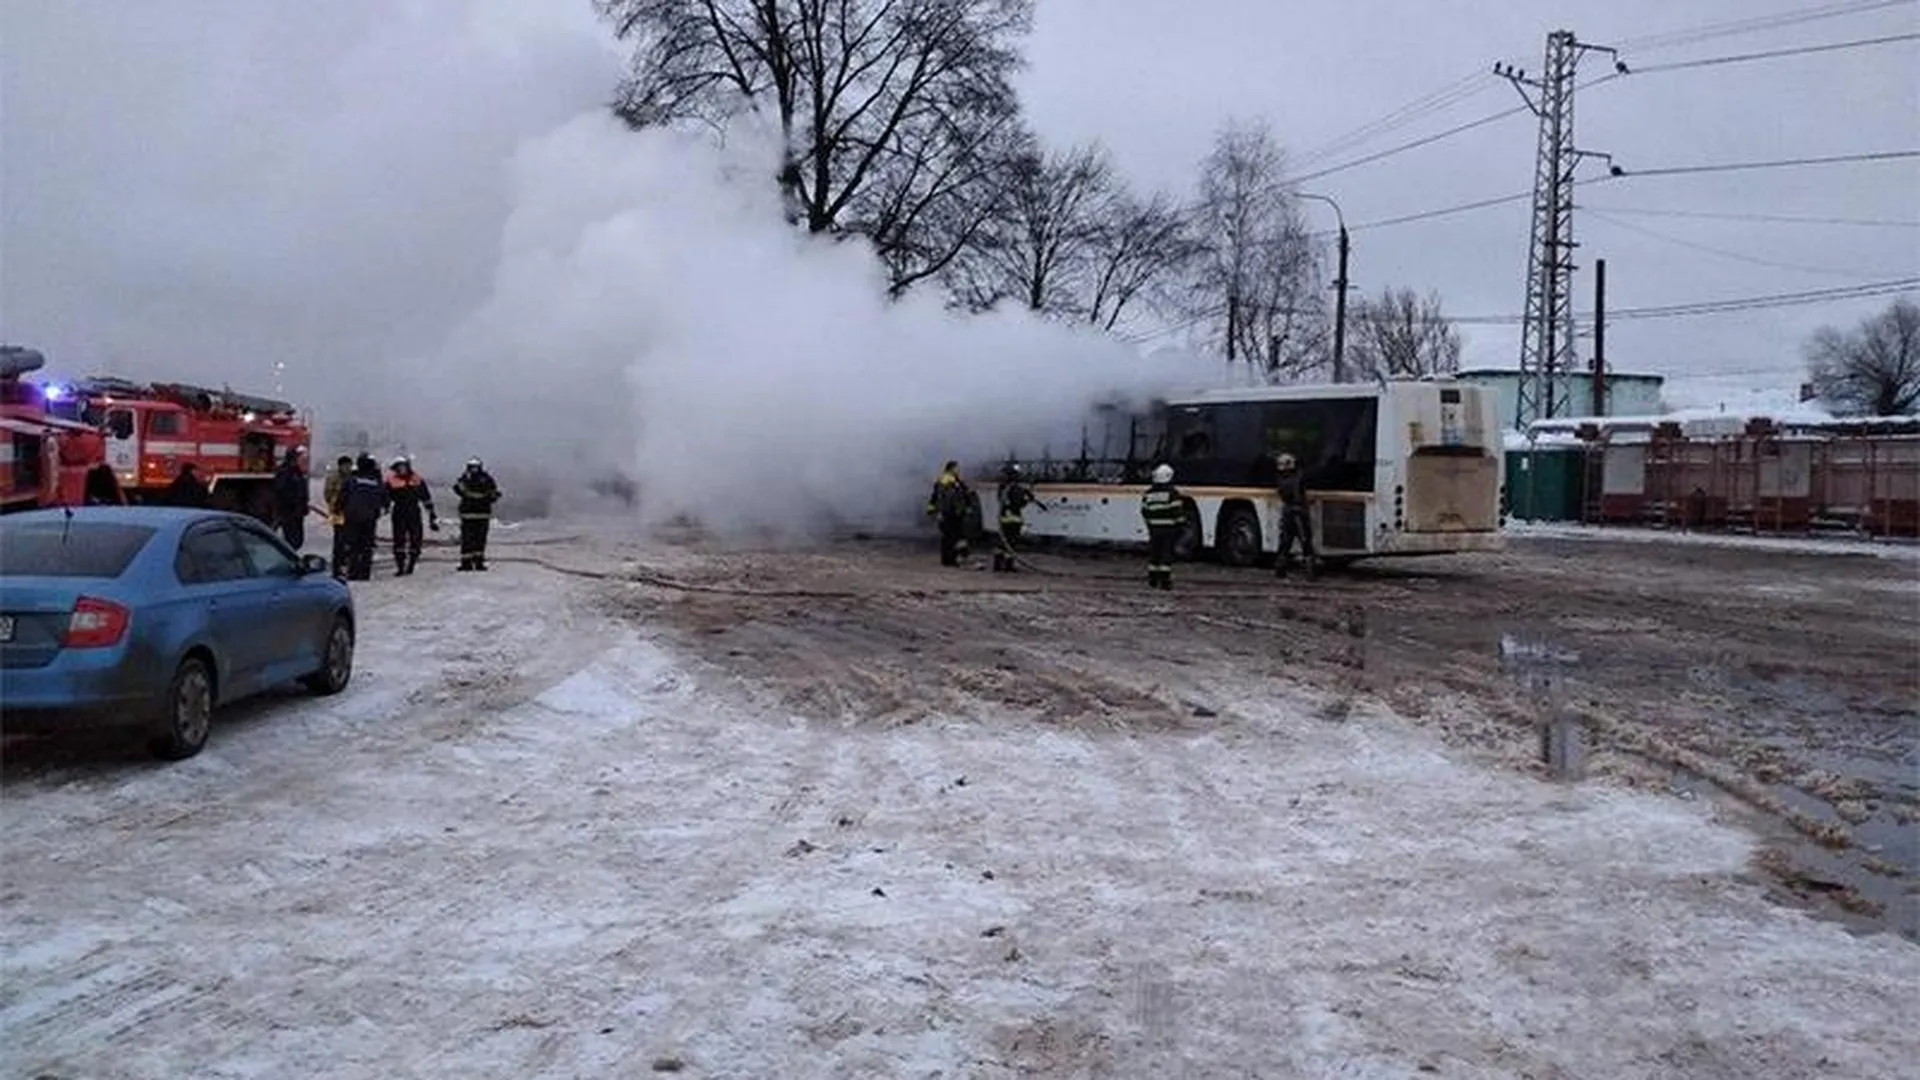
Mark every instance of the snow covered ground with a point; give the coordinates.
(535, 840)
(1808, 545)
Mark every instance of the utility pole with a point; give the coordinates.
(1340, 289)
(1599, 337)
(1547, 335)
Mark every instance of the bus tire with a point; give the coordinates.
(1237, 538)
(1186, 547)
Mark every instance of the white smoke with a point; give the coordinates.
(643, 308)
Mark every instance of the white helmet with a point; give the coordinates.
(400, 461)
(1163, 474)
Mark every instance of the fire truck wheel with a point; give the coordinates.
(186, 717)
(336, 668)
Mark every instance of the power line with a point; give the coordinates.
(1447, 96)
(1783, 219)
(1724, 253)
(1707, 32)
(1773, 54)
(1691, 309)
(1779, 163)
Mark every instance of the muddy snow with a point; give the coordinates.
(614, 809)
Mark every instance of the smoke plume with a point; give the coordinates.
(429, 225)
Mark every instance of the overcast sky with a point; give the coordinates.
(1152, 79)
(224, 183)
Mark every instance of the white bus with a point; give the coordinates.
(1410, 467)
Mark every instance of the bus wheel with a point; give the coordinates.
(1238, 540)
(1186, 547)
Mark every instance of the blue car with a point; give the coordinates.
(154, 616)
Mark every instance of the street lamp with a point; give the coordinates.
(1340, 290)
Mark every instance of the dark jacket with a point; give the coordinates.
(1015, 497)
(949, 499)
(187, 490)
(290, 489)
(477, 493)
(103, 487)
(1292, 486)
(363, 499)
(1161, 507)
(408, 495)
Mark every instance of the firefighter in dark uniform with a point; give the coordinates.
(1015, 495)
(1165, 516)
(1291, 486)
(948, 507)
(290, 499)
(187, 488)
(477, 493)
(407, 495)
(362, 500)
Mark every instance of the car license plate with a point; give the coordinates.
(6, 628)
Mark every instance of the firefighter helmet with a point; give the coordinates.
(1163, 474)
(1284, 462)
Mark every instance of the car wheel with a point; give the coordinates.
(187, 716)
(1239, 539)
(336, 665)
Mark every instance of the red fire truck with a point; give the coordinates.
(151, 429)
(43, 458)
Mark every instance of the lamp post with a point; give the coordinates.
(1340, 290)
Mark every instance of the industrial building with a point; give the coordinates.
(1625, 395)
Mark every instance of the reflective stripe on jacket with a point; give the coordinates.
(1161, 507)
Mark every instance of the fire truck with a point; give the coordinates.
(150, 430)
(44, 458)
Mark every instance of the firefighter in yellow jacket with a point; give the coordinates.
(336, 513)
(948, 506)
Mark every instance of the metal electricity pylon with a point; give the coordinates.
(1547, 335)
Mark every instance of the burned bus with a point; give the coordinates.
(1408, 467)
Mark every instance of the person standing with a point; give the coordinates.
(1014, 496)
(477, 493)
(1165, 516)
(290, 494)
(407, 496)
(336, 486)
(187, 489)
(102, 488)
(362, 501)
(948, 507)
(1291, 486)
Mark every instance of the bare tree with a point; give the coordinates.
(1873, 370)
(1400, 333)
(895, 113)
(1254, 282)
(1038, 247)
(1138, 245)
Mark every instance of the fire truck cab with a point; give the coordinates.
(152, 429)
(44, 459)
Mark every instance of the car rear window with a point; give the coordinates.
(91, 549)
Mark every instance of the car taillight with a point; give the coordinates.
(96, 624)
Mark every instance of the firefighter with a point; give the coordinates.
(948, 507)
(407, 495)
(187, 488)
(290, 499)
(1015, 495)
(102, 487)
(362, 500)
(336, 485)
(1290, 484)
(477, 493)
(1165, 516)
